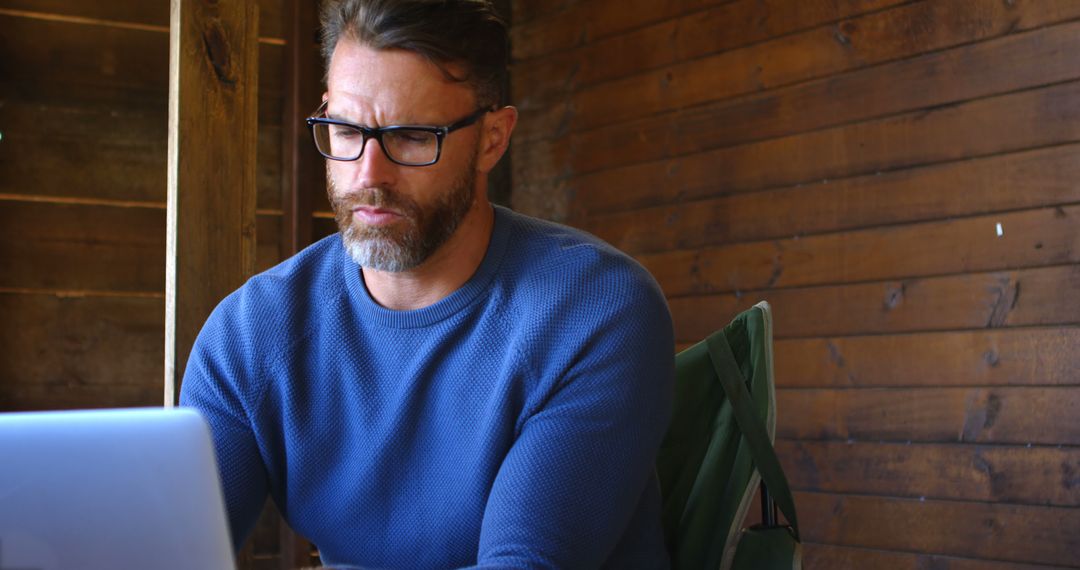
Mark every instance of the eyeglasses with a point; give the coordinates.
(407, 145)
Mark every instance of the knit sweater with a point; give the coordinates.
(513, 424)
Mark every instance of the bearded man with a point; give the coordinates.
(443, 383)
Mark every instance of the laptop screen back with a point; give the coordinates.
(110, 489)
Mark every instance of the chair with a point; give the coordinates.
(722, 428)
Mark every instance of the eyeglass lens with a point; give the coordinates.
(408, 146)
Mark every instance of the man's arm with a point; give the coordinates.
(566, 492)
(217, 369)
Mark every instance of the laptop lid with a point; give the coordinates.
(134, 488)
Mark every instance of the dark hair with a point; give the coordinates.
(461, 32)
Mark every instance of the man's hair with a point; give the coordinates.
(465, 33)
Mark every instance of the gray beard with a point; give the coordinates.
(392, 248)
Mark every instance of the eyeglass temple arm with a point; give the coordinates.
(322, 107)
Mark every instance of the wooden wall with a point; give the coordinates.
(83, 118)
(851, 161)
(83, 112)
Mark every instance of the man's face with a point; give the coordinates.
(393, 217)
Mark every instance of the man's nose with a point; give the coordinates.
(373, 169)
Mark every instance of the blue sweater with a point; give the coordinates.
(514, 424)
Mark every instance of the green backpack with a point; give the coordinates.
(719, 448)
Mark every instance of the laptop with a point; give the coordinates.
(110, 489)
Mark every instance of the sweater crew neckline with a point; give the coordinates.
(479, 281)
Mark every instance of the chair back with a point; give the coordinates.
(707, 465)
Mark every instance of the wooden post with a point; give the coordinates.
(302, 167)
(213, 122)
(302, 174)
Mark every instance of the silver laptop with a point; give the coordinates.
(110, 489)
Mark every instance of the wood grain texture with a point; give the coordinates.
(1030, 179)
(61, 246)
(137, 11)
(850, 163)
(933, 79)
(1030, 238)
(97, 248)
(1000, 357)
(1047, 476)
(112, 150)
(210, 228)
(70, 352)
(997, 125)
(852, 44)
(606, 48)
(303, 172)
(1005, 533)
(52, 397)
(106, 65)
(1010, 63)
(830, 557)
(1031, 297)
(999, 415)
(527, 10)
(565, 24)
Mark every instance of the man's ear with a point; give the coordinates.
(496, 128)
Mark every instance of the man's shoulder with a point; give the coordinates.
(256, 325)
(551, 252)
(314, 265)
(557, 265)
(289, 291)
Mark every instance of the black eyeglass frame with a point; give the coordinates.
(377, 133)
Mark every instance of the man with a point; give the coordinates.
(444, 383)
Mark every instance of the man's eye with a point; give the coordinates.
(412, 137)
(346, 133)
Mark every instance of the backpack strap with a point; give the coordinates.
(753, 429)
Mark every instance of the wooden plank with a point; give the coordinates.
(930, 80)
(688, 28)
(320, 202)
(80, 352)
(268, 252)
(999, 415)
(831, 557)
(99, 248)
(1007, 533)
(81, 62)
(210, 227)
(672, 32)
(855, 43)
(1030, 238)
(303, 173)
(114, 150)
(528, 10)
(1044, 177)
(1030, 297)
(322, 227)
(134, 11)
(548, 26)
(998, 125)
(1047, 476)
(1018, 357)
(18, 398)
(72, 246)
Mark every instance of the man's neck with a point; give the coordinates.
(444, 272)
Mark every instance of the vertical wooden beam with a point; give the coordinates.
(302, 175)
(302, 168)
(213, 122)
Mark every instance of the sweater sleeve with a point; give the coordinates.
(219, 371)
(566, 492)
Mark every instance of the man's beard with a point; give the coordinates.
(393, 247)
